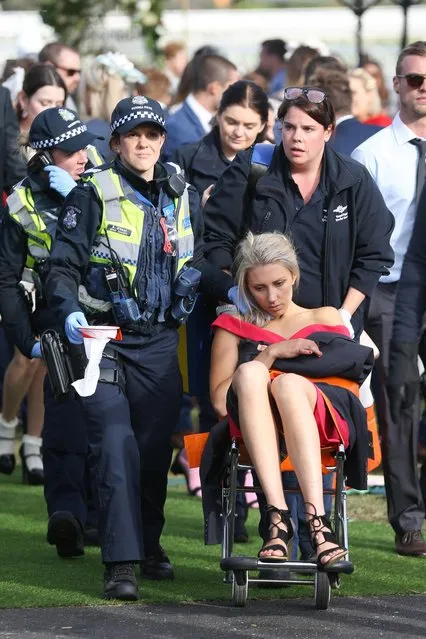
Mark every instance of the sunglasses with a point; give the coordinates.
(414, 80)
(316, 96)
(70, 72)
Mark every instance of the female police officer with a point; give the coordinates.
(123, 245)
(59, 139)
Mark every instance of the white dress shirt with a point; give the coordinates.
(392, 162)
(201, 112)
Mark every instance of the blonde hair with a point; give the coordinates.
(260, 250)
(370, 85)
(103, 90)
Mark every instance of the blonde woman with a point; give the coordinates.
(366, 102)
(106, 80)
(259, 379)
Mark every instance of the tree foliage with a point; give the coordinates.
(72, 19)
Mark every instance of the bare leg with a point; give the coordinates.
(296, 399)
(251, 383)
(32, 441)
(35, 398)
(17, 379)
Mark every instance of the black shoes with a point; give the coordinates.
(157, 566)
(120, 581)
(7, 464)
(65, 532)
(411, 544)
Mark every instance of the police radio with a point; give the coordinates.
(124, 306)
(37, 163)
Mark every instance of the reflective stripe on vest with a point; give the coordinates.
(93, 156)
(22, 210)
(124, 220)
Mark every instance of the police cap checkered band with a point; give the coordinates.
(48, 144)
(130, 112)
(59, 128)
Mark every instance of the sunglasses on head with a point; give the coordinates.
(70, 72)
(316, 96)
(414, 80)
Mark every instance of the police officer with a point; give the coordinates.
(128, 251)
(59, 139)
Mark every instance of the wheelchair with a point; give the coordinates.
(239, 569)
(298, 573)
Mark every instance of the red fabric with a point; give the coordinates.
(328, 433)
(382, 119)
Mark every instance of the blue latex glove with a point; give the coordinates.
(36, 351)
(72, 324)
(235, 298)
(60, 180)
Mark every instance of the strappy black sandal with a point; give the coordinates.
(275, 532)
(320, 525)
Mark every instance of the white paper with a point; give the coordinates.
(94, 348)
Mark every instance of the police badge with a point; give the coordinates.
(70, 219)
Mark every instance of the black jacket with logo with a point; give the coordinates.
(356, 249)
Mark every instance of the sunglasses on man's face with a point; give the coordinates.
(70, 72)
(414, 80)
(316, 96)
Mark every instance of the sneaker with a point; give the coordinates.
(157, 566)
(411, 544)
(65, 532)
(120, 581)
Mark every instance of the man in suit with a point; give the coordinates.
(12, 167)
(349, 133)
(192, 121)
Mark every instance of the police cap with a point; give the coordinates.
(59, 128)
(131, 112)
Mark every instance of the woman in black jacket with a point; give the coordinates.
(328, 203)
(240, 123)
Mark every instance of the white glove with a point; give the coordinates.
(346, 318)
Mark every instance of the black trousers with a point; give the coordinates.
(406, 510)
(67, 481)
(129, 431)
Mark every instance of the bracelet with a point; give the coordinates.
(226, 308)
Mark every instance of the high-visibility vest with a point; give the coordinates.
(121, 230)
(38, 225)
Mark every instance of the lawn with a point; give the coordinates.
(32, 574)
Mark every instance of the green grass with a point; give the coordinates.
(33, 576)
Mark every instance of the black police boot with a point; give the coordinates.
(157, 566)
(120, 581)
(91, 536)
(65, 532)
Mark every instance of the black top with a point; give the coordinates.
(20, 326)
(203, 162)
(71, 251)
(12, 167)
(358, 229)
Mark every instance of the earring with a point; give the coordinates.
(24, 114)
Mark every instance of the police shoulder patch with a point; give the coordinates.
(71, 217)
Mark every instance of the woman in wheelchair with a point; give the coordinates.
(277, 411)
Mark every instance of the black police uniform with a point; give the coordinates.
(67, 485)
(130, 420)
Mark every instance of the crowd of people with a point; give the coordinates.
(288, 202)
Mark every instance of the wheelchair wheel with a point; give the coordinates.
(322, 591)
(239, 588)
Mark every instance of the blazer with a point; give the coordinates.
(351, 133)
(183, 127)
(12, 166)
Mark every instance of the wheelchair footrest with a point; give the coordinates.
(253, 563)
(343, 566)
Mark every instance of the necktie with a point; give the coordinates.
(421, 166)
